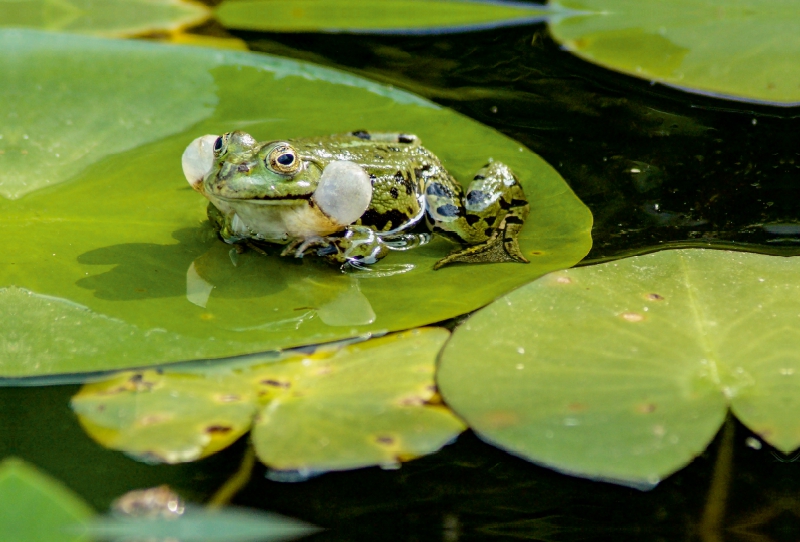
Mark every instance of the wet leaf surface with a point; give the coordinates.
(624, 371)
(365, 16)
(113, 248)
(36, 507)
(370, 403)
(740, 50)
(113, 18)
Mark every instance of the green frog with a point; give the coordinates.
(352, 198)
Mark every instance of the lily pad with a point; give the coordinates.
(113, 18)
(371, 403)
(197, 524)
(36, 507)
(367, 16)
(739, 49)
(624, 371)
(113, 264)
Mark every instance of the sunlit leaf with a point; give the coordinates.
(386, 16)
(624, 371)
(35, 507)
(203, 525)
(101, 17)
(168, 418)
(341, 407)
(367, 404)
(737, 49)
(109, 262)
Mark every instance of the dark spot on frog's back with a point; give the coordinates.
(383, 221)
(405, 138)
(474, 197)
(437, 189)
(448, 210)
(394, 192)
(362, 134)
(398, 177)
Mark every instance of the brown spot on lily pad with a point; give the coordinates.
(500, 418)
(218, 429)
(386, 440)
(645, 408)
(276, 383)
(654, 297)
(576, 407)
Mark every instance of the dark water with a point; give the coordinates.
(657, 167)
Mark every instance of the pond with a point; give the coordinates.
(640, 389)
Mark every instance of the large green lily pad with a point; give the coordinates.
(370, 403)
(625, 370)
(35, 507)
(111, 264)
(738, 49)
(102, 17)
(368, 16)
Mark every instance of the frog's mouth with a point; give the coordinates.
(282, 200)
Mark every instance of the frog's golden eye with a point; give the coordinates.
(283, 159)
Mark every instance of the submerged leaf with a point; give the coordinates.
(624, 371)
(115, 18)
(110, 262)
(35, 507)
(342, 407)
(368, 16)
(738, 49)
(203, 525)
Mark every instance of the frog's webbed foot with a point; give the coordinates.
(298, 247)
(488, 218)
(356, 246)
(502, 246)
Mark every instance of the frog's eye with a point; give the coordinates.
(221, 145)
(283, 159)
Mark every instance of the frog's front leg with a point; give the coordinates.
(488, 219)
(355, 245)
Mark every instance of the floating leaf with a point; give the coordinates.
(367, 404)
(113, 18)
(339, 408)
(113, 265)
(739, 49)
(168, 418)
(67, 103)
(35, 507)
(384, 17)
(203, 525)
(624, 371)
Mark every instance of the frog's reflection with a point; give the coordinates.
(148, 270)
(315, 292)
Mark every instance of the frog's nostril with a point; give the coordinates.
(244, 168)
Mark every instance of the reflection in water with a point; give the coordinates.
(349, 308)
(198, 290)
(335, 298)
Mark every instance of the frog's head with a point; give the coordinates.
(235, 167)
(241, 168)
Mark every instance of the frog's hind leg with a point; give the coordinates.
(488, 219)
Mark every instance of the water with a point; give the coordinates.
(657, 167)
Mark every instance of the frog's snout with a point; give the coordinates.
(198, 159)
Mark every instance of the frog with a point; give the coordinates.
(352, 198)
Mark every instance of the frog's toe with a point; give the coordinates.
(501, 247)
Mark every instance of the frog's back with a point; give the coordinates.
(397, 166)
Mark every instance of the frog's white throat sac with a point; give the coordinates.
(344, 192)
(198, 159)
